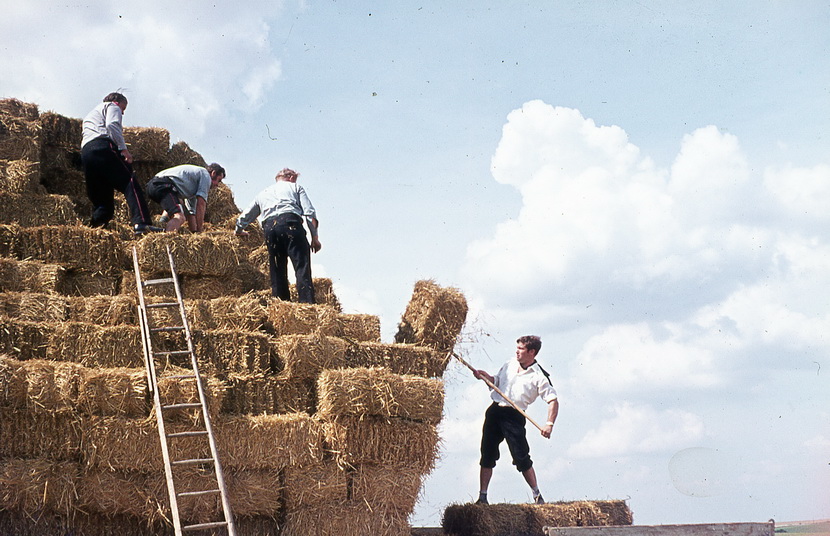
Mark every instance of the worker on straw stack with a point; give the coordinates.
(108, 166)
(522, 380)
(182, 191)
(282, 207)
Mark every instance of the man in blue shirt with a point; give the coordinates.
(182, 191)
(281, 208)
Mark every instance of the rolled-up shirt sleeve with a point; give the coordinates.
(247, 217)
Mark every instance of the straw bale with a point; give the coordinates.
(211, 287)
(434, 316)
(87, 283)
(120, 493)
(19, 130)
(181, 153)
(31, 209)
(246, 313)
(304, 356)
(17, 523)
(103, 310)
(255, 394)
(76, 247)
(358, 327)
(235, 351)
(220, 205)
(398, 358)
(254, 493)
(97, 346)
(20, 176)
(12, 382)
(60, 131)
(323, 293)
(50, 386)
(314, 485)
(268, 441)
(144, 171)
(359, 441)
(30, 276)
(33, 306)
(67, 181)
(194, 254)
(148, 143)
(113, 391)
(338, 519)
(26, 434)
(509, 519)
(25, 340)
(393, 487)
(35, 485)
(291, 318)
(375, 391)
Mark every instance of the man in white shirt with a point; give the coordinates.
(182, 191)
(522, 380)
(281, 208)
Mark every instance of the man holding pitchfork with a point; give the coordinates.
(518, 383)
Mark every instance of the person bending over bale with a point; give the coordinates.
(182, 191)
(108, 165)
(523, 380)
(282, 207)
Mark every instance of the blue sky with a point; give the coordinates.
(645, 185)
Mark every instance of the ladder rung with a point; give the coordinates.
(174, 352)
(157, 281)
(194, 461)
(202, 526)
(188, 434)
(157, 305)
(181, 376)
(197, 493)
(186, 405)
(168, 328)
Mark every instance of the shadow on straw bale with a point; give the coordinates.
(38, 484)
(338, 519)
(57, 436)
(43, 523)
(376, 391)
(434, 316)
(25, 340)
(304, 356)
(255, 394)
(356, 441)
(398, 358)
(86, 283)
(513, 519)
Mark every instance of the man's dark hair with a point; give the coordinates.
(116, 97)
(216, 167)
(531, 342)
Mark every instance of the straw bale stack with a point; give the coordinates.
(194, 254)
(19, 130)
(37, 209)
(378, 392)
(77, 247)
(36, 276)
(255, 394)
(339, 519)
(148, 144)
(30, 435)
(306, 356)
(181, 153)
(20, 176)
(32, 306)
(510, 519)
(434, 316)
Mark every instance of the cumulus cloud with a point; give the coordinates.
(639, 430)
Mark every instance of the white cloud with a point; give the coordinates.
(639, 430)
(804, 193)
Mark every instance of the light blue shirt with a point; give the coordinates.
(283, 197)
(191, 182)
(104, 121)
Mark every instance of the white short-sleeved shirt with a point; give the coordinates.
(522, 386)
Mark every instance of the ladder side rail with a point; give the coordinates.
(217, 467)
(147, 344)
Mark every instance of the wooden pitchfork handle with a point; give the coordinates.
(492, 386)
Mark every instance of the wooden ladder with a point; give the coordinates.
(200, 428)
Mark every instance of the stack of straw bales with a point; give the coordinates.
(322, 428)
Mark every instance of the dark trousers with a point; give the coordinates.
(285, 238)
(164, 192)
(106, 171)
(504, 424)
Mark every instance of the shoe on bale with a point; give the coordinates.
(537, 499)
(141, 228)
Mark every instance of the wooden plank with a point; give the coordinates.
(705, 529)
